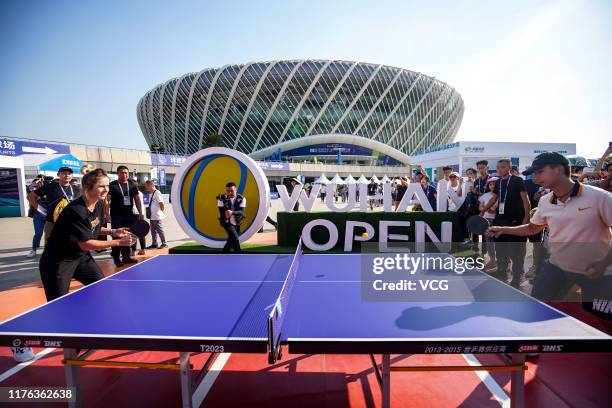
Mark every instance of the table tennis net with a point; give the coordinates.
(279, 310)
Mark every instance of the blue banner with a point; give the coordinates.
(335, 149)
(162, 177)
(13, 147)
(161, 159)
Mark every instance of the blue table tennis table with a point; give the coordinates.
(310, 304)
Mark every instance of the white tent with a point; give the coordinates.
(362, 180)
(386, 179)
(322, 180)
(337, 180)
(376, 179)
(350, 180)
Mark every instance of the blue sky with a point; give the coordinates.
(527, 70)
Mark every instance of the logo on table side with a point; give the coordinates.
(552, 347)
(528, 349)
(52, 343)
(602, 305)
(16, 343)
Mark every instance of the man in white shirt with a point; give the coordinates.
(155, 212)
(579, 221)
(231, 212)
(455, 195)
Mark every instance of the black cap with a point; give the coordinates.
(61, 169)
(545, 159)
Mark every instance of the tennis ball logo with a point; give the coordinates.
(202, 178)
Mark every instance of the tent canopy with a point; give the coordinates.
(322, 180)
(362, 180)
(51, 162)
(337, 180)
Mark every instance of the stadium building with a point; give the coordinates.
(317, 111)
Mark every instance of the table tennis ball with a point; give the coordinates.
(364, 235)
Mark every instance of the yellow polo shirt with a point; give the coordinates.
(579, 230)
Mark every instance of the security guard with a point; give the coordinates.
(231, 212)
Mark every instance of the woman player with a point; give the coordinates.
(66, 255)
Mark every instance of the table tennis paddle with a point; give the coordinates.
(477, 224)
(140, 228)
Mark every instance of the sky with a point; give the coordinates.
(527, 70)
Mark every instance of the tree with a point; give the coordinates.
(213, 140)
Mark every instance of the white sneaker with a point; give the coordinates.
(31, 254)
(21, 354)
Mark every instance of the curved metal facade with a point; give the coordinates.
(261, 104)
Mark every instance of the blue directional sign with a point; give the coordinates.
(13, 147)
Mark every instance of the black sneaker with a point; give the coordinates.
(130, 261)
(153, 247)
(117, 262)
(163, 246)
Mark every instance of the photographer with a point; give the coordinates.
(231, 212)
(57, 195)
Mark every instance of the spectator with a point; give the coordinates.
(514, 171)
(294, 183)
(155, 212)
(447, 170)
(141, 240)
(490, 216)
(601, 177)
(372, 190)
(579, 221)
(400, 191)
(38, 215)
(121, 198)
(482, 181)
(512, 210)
(455, 194)
(471, 175)
(471, 178)
(430, 191)
(57, 195)
(344, 192)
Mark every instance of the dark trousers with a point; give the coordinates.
(118, 221)
(510, 250)
(232, 237)
(271, 221)
(39, 226)
(553, 283)
(56, 274)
